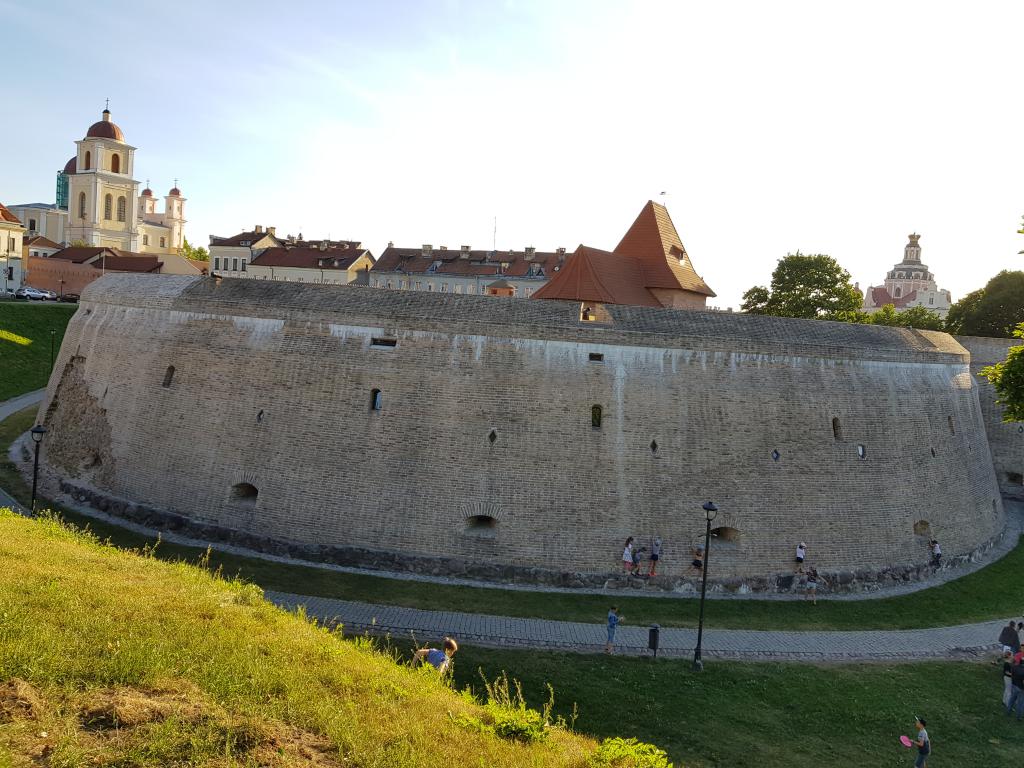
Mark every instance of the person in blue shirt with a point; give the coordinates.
(439, 659)
(613, 622)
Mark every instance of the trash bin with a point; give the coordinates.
(653, 638)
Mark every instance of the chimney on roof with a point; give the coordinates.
(561, 253)
(444, 247)
(464, 252)
(323, 245)
(391, 243)
(530, 252)
(272, 231)
(428, 249)
(258, 229)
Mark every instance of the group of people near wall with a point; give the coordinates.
(1013, 668)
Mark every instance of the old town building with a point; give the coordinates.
(909, 284)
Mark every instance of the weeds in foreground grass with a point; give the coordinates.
(618, 753)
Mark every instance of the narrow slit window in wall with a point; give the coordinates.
(952, 429)
(169, 375)
(376, 400)
(384, 343)
(492, 437)
(837, 429)
(862, 452)
(596, 357)
(595, 417)
(654, 446)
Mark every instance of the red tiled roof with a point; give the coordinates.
(880, 296)
(470, 263)
(251, 237)
(42, 242)
(123, 262)
(599, 276)
(308, 258)
(105, 129)
(78, 254)
(654, 241)
(71, 166)
(6, 215)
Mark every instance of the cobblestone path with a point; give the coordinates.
(967, 640)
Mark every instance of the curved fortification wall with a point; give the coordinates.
(458, 434)
(1006, 440)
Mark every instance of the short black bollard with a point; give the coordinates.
(654, 638)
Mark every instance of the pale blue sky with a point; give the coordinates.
(773, 126)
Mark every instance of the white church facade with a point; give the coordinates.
(99, 204)
(909, 284)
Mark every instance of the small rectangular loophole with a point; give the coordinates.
(596, 357)
(384, 343)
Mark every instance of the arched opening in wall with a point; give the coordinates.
(245, 493)
(81, 205)
(1015, 478)
(726, 536)
(88, 160)
(899, 292)
(168, 375)
(952, 429)
(922, 528)
(122, 208)
(481, 525)
(115, 163)
(108, 207)
(376, 400)
(862, 452)
(595, 417)
(837, 429)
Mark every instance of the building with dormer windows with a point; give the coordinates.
(909, 284)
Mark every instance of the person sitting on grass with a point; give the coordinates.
(438, 659)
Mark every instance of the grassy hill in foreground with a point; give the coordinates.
(111, 658)
(25, 343)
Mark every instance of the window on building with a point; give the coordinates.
(596, 357)
(88, 160)
(115, 163)
(470, 289)
(383, 343)
(32, 225)
(216, 262)
(458, 289)
(234, 264)
(419, 285)
(145, 239)
(108, 206)
(376, 400)
(163, 242)
(837, 429)
(168, 375)
(952, 429)
(430, 286)
(862, 452)
(595, 416)
(898, 293)
(529, 292)
(243, 265)
(931, 299)
(389, 285)
(444, 287)
(122, 208)
(246, 493)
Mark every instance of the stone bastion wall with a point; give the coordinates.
(458, 434)
(1006, 440)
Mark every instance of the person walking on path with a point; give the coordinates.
(923, 744)
(936, 553)
(1016, 701)
(613, 622)
(812, 585)
(439, 659)
(627, 555)
(1007, 677)
(1009, 638)
(655, 555)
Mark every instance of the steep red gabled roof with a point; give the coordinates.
(880, 296)
(308, 258)
(6, 215)
(38, 241)
(654, 242)
(591, 274)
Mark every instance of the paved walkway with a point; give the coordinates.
(15, 404)
(968, 640)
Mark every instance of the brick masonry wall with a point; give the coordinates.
(272, 387)
(1006, 440)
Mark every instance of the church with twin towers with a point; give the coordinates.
(98, 202)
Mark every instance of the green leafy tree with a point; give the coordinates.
(921, 318)
(189, 251)
(809, 286)
(79, 243)
(1008, 379)
(994, 310)
(887, 315)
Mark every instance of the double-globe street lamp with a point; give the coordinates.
(710, 513)
(38, 431)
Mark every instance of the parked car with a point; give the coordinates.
(70, 298)
(32, 294)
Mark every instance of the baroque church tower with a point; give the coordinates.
(102, 195)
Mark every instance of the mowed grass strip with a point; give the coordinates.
(109, 658)
(25, 343)
(771, 715)
(991, 593)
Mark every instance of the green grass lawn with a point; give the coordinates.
(990, 593)
(770, 715)
(25, 343)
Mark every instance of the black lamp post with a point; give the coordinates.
(710, 513)
(38, 431)
(53, 335)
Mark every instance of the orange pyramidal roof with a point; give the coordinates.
(654, 242)
(650, 256)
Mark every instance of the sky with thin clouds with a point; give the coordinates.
(824, 127)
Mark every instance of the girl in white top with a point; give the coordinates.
(627, 555)
(801, 552)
